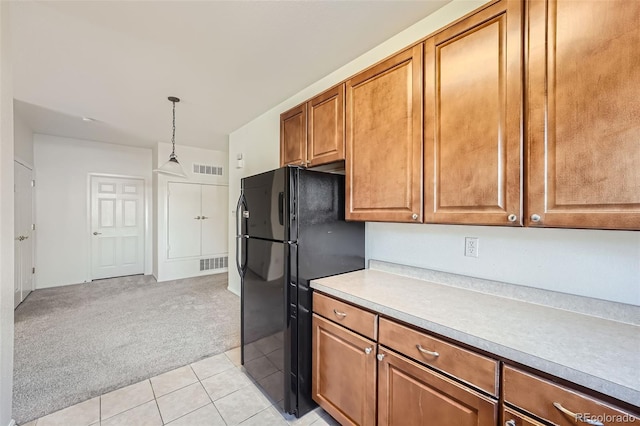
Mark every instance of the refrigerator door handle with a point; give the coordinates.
(281, 208)
(239, 209)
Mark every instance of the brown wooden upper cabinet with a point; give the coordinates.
(312, 134)
(293, 136)
(473, 118)
(325, 135)
(583, 111)
(383, 164)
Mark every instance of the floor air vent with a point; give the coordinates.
(204, 169)
(214, 263)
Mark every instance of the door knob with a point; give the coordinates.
(97, 233)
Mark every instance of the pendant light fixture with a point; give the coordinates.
(172, 167)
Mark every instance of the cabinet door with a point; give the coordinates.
(344, 373)
(293, 136)
(325, 136)
(412, 395)
(584, 132)
(384, 141)
(473, 116)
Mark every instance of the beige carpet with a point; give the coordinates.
(76, 342)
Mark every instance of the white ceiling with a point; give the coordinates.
(229, 61)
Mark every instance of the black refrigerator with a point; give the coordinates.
(290, 230)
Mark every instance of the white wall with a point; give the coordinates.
(259, 140)
(172, 269)
(62, 168)
(23, 141)
(6, 219)
(600, 264)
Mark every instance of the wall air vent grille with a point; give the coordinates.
(214, 263)
(206, 169)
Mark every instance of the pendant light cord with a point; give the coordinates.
(173, 136)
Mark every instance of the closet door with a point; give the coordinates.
(183, 233)
(214, 219)
(23, 242)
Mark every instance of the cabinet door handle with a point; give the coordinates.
(339, 314)
(204, 217)
(512, 218)
(575, 417)
(535, 218)
(425, 351)
(97, 233)
(414, 216)
(367, 350)
(197, 218)
(380, 357)
(510, 423)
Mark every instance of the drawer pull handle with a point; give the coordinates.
(575, 417)
(424, 351)
(510, 423)
(339, 314)
(367, 351)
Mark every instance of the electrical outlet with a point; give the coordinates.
(471, 246)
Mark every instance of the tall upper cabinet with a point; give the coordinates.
(583, 84)
(383, 163)
(473, 119)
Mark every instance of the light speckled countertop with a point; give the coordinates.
(600, 354)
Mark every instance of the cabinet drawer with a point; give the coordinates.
(547, 400)
(475, 369)
(349, 316)
(513, 418)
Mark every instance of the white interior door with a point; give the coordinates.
(117, 227)
(214, 225)
(184, 220)
(23, 242)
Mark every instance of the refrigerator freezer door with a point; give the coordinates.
(264, 214)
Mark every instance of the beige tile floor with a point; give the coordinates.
(215, 391)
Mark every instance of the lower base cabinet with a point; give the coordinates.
(412, 395)
(369, 370)
(344, 373)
